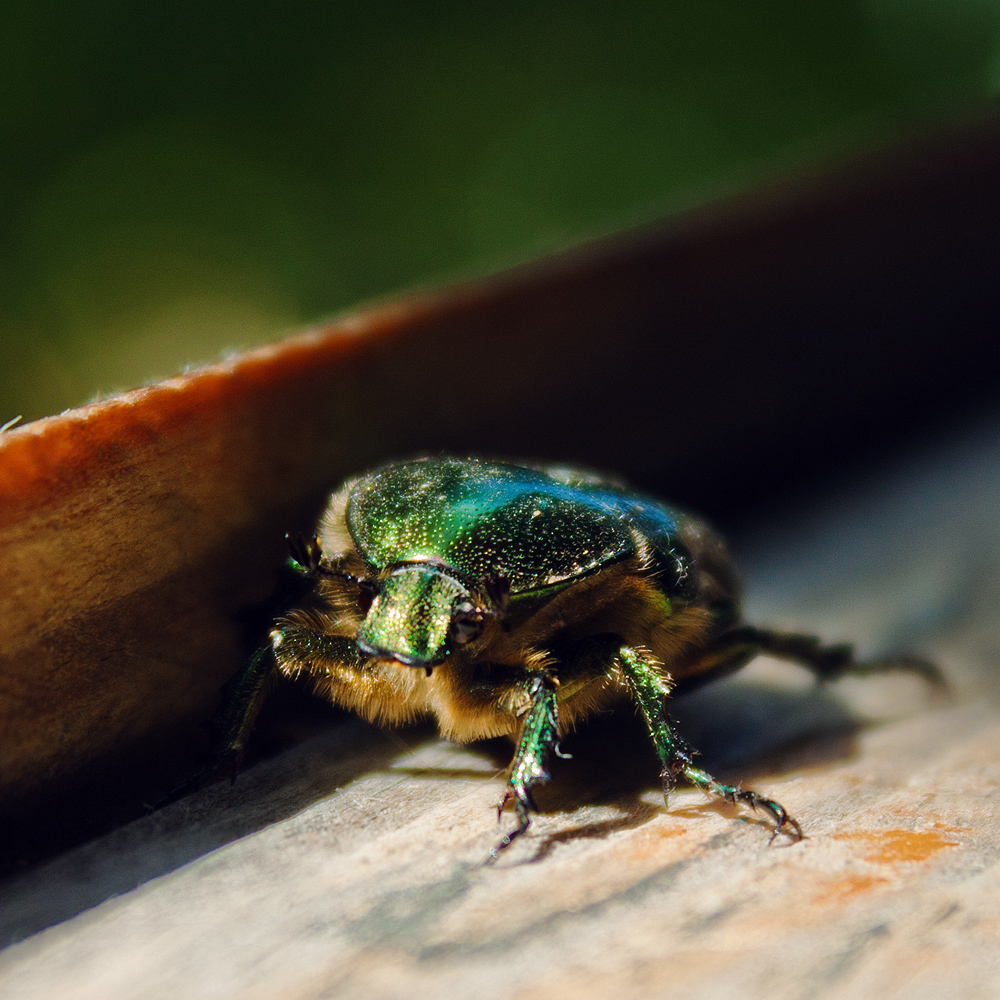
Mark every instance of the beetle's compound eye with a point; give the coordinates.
(467, 622)
(366, 594)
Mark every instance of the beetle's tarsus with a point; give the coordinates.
(735, 795)
(930, 672)
(224, 763)
(668, 786)
(242, 698)
(198, 780)
(523, 805)
(231, 763)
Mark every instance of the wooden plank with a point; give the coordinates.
(352, 865)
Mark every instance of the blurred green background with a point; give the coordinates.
(179, 180)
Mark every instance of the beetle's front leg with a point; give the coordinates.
(293, 650)
(289, 652)
(242, 699)
(538, 740)
(650, 690)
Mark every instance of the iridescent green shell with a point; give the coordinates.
(540, 528)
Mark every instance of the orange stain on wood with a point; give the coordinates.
(666, 833)
(850, 886)
(649, 845)
(893, 846)
(949, 829)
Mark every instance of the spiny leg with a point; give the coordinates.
(650, 690)
(289, 647)
(538, 740)
(783, 823)
(242, 699)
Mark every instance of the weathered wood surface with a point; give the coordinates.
(352, 865)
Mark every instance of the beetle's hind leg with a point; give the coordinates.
(643, 675)
(828, 663)
(537, 742)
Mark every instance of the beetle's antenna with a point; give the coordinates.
(307, 553)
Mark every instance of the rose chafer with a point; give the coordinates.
(515, 600)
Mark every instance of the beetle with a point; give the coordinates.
(515, 600)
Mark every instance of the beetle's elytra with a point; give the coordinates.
(514, 600)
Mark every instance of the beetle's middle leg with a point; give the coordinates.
(643, 675)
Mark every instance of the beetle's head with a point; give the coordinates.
(419, 615)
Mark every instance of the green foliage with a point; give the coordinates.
(180, 179)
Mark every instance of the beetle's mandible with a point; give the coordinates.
(507, 599)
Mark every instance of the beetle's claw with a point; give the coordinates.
(524, 806)
(783, 823)
(507, 839)
(667, 777)
(500, 805)
(230, 763)
(790, 828)
(227, 763)
(930, 672)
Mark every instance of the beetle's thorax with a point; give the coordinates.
(410, 618)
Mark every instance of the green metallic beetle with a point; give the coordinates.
(516, 600)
